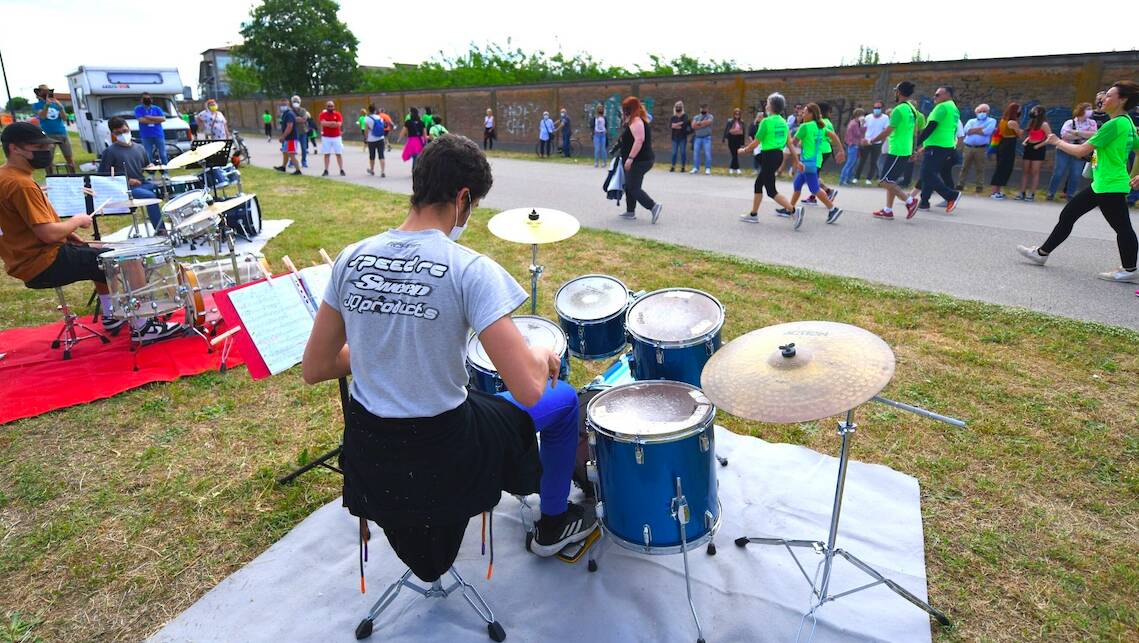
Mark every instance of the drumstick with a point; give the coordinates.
(324, 255)
(101, 206)
(288, 263)
(265, 271)
(224, 336)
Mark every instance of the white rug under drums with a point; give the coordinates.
(306, 587)
(269, 229)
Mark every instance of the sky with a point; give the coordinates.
(116, 32)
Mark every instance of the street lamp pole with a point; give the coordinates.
(4, 72)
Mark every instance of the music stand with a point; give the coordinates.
(219, 159)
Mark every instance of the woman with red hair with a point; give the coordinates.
(635, 149)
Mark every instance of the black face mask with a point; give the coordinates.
(41, 159)
(146, 101)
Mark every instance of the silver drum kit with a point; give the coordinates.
(650, 422)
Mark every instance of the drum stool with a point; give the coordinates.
(68, 337)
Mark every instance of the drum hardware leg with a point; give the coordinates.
(535, 272)
(722, 460)
(710, 525)
(320, 461)
(67, 337)
(232, 256)
(920, 411)
(682, 514)
(436, 590)
(821, 590)
(597, 549)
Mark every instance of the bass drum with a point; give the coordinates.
(245, 220)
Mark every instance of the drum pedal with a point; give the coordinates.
(573, 552)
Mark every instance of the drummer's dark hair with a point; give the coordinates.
(447, 165)
(115, 123)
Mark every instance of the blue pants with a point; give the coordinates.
(303, 141)
(705, 143)
(566, 144)
(599, 155)
(681, 145)
(147, 190)
(808, 176)
(1066, 174)
(156, 148)
(556, 420)
(847, 173)
(937, 163)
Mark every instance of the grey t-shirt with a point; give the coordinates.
(703, 131)
(126, 159)
(408, 300)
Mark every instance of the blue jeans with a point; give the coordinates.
(936, 166)
(566, 144)
(148, 190)
(303, 141)
(599, 154)
(556, 419)
(681, 145)
(847, 173)
(1066, 174)
(156, 148)
(705, 143)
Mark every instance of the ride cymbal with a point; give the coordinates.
(221, 207)
(196, 155)
(533, 225)
(797, 372)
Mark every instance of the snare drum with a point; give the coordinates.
(182, 184)
(644, 437)
(673, 332)
(537, 331)
(197, 225)
(184, 206)
(143, 281)
(591, 310)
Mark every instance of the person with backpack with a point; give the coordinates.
(436, 130)
(376, 137)
(1110, 148)
(806, 157)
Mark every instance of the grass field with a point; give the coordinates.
(117, 515)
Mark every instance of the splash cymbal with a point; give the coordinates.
(533, 225)
(797, 372)
(196, 155)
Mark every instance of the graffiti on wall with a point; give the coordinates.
(519, 118)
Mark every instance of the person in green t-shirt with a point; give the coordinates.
(770, 139)
(1110, 148)
(939, 138)
(825, 109)
(806, 156)
(900, 134)
(267, 118)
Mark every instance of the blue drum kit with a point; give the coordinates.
(650, 426)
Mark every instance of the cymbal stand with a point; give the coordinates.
(821, 590)
(535, 272)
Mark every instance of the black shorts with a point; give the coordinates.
(894, 169)
(73, 263)
(376, 148)
(1035, 152)
(823, 162)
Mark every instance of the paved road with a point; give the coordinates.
(971, 254)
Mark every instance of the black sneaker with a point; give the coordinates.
(342, 173)
(324, 173)
(553, 533)
(296, 173)
(834, 214)
(279, 168)
(155, 331)
(112, 324)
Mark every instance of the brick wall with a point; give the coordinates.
(1057, 82)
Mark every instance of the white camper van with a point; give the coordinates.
(99, 93)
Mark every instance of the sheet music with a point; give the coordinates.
(66, 195)
(277, 320)
(110, 187)
(316, 280)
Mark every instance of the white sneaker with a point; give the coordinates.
(867, 181)
(656, 212)
(1121, 276)
(749, 218)
(1032, 255)
(155, 331)
(694, 170)
(797, 218)
(707, 170)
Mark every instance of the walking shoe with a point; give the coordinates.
(912, 209)
(997, 195)
(694, 170)
(750, 218)
(370, 172)
(943, 203)
(797, 220)
(882, 214)
(1120, 275)
(553, 533)
(834, 214)
(1032, 255)
(922, 206)
(155, 331)
(296, 172)
(112, 324)
(628, 215)
(951, 206)
(382, 175)
(811, 200)
(832, 194)
(867, 181)
(682, 169)
(324, 173)
(1030, 197)
(782, 212)
(342, 173)
(279, 168)
(304, 163)
(656, 212)
(707, 170)
(671, 169)
(1020, 197)
(1050, 197)
(979, 189)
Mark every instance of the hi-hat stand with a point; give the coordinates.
(828, 550)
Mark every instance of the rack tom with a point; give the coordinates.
(537, 331)
(591, 310)
(673, 332)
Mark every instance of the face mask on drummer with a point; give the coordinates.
(123, 137)
(457, 230)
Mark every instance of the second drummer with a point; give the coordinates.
(423, 453)
(125, 157)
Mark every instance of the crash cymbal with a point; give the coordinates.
(831, 368)
(221, 207)
(130, 203)
(533, 225)
(196, 155)
(156, 168)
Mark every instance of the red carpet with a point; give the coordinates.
(35, 379)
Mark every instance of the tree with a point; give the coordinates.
(18, 104)
(244, 81)
(867, 56)
(300, 46)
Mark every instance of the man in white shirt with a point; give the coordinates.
(868, 153)
(978, 133)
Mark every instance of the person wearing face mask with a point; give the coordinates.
(422, 452)
(978, 132)
(546, 130)
(211, 122)
(332, 136)
(125, 158)
(36, 246)
(702, 140)
(565, 128)
(899, 134)
(53, 120)
(150, 119)
(681, 127)
(868, 153)
(1076, 130)
(302, 127)
(288, 139)
(1036, 133)
(855, 131)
